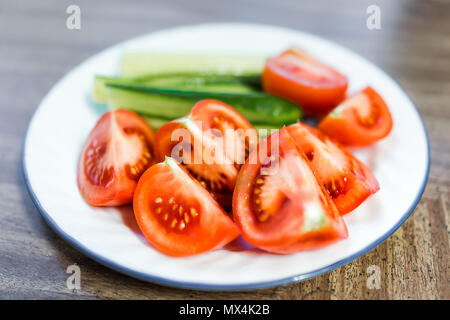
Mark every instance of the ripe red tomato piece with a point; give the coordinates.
(278, 203)
(177, 215)
(116, 153)
(346, 179)
(212, 142)
(360, 120)
(298, 77)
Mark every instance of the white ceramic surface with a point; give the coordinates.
(65, 117)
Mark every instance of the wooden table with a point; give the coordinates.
(36, 49)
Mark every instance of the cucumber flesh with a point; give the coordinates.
(171, 103)
(98, 88)
(153, 105)
(140, 63)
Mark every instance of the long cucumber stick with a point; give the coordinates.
(188, 81)
(172, 103)
(140, 63)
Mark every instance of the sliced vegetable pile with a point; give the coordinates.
(195, 187)
(172, 84)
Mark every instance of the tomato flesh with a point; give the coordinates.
(202, 143)
(116, 153)
(360, 120)
(346, 179)
(298, 77)
(278, 203)
(180, 218)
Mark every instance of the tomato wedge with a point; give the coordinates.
(298, 77)
(180, 218)
(360, 120)
(212, 142)
(346, 179)
(278, 203)
(116, 153)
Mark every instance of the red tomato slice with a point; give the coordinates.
(298, 77)
(346, 179)
(205, 147)
(177, 215)
(278, 203)
(116, 153)
(360, 120)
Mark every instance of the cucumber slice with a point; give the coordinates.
(173, 103)
(152, 105)
(140, 63)
(98, 88)
(199, 79)
(185, 81)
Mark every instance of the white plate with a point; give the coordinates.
(65, 116)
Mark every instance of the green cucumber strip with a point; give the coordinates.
(152, 105)
(186, 81)
(199, 78)
(140, 63)
(231, 88)
(98, 88)
(172, 103)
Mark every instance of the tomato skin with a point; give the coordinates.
(310, 84)
(116, 152)
(284, 232)
(334, 166)
(210, 229)
(347, 126)
(219, 175)
(164, 142)
(206, 110)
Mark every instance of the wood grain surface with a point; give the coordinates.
(36, 49)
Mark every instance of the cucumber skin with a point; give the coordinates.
(210, 82)
(171, 103)
(198, 79)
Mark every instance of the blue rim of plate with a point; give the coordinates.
(233, 287)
